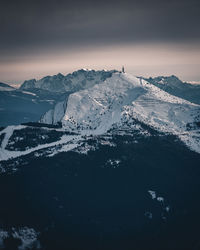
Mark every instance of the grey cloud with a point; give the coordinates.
(37, 24)
(35, 30)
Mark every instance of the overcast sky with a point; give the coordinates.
(40, 37)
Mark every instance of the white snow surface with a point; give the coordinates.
(152, 193)
(29, 93)
(97, 109)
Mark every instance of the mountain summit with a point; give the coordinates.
(121, 99)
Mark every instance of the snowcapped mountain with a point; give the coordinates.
(121, 102)
(81, 79)
(173, 85)
(121, 99)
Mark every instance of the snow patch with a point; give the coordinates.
(160, 199)
(27, 236)
(152, 193)
(29, 93)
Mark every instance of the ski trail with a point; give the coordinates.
(65, 139)
(8, 131)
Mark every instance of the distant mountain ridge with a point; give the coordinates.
(80, 79)
(5, 87)
(173, 85)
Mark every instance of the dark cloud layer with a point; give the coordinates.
(38, 24)
(40, 37)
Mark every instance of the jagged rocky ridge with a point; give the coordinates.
(81, 79)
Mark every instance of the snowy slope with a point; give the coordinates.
(80, 79)
(124, 97)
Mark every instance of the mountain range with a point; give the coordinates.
(118, 100)
(34, 98)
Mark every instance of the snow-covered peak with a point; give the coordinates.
(120, 100)
(124, 97)
(104, 104)
(97, 108)
(81, 79)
